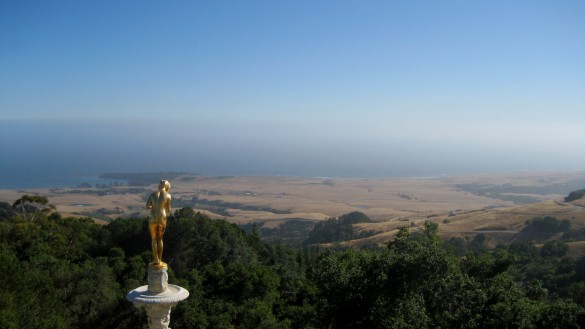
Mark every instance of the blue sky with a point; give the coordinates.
(294, 87)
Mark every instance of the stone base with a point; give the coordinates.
(158, 266)
(159, 316)
(158, 279)
(158, 305)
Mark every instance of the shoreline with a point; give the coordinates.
(147, 178)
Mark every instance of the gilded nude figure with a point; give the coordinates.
(159, 204)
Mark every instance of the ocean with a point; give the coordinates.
(43, 154)
(15, 180)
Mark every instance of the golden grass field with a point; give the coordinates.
(392, 203)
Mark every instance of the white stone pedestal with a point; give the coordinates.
(158, 305)
(157, 279)
(157, 298)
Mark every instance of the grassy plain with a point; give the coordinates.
(464, 206)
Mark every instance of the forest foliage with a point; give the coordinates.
(575, 195)
(336, 229)
(71, 273)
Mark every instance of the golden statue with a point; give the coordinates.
(159, 204)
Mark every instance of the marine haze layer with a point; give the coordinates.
(48, 154)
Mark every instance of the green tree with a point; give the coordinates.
(348, 286)
(6, 211)
(30, 207)
(554, 248)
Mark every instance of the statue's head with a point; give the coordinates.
(164, 185)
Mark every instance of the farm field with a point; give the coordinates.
(496, 205)
(463, 205)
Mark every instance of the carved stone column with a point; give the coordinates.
(158, 304)
(157, 279)
(159, 315)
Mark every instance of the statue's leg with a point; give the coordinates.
(155, 257)
(153, 236)
(160, 249)
(161, 232)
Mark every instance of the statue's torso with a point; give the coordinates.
(160, 203)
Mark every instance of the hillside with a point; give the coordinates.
(276, 199)
(288, 208)
(77, 274)
(441, 264)
(498, 226)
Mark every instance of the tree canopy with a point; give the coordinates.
(71, 273)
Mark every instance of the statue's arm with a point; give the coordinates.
(169, 204)
(149, 203)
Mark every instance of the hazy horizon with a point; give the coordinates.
(81, 152)
(333, 88)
